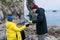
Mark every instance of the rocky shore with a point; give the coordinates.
(53, 33)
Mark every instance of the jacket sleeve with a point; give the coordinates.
(15, 28)
(40, 17)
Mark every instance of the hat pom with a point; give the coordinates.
(10, 18)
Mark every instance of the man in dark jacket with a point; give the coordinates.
(41, 25)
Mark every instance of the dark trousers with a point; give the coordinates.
(23, 35)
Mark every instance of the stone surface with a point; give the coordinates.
(14, 7)
(53, 33)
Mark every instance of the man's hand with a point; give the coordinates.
(30, 22)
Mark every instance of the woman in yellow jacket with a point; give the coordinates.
(12, 31)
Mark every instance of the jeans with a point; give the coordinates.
(42, 37)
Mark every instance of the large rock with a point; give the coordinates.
(18, 7)
(1, 15)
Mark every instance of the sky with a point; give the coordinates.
(48, 4)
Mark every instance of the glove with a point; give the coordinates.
(27, 24)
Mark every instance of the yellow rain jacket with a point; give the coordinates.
(13, 32)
